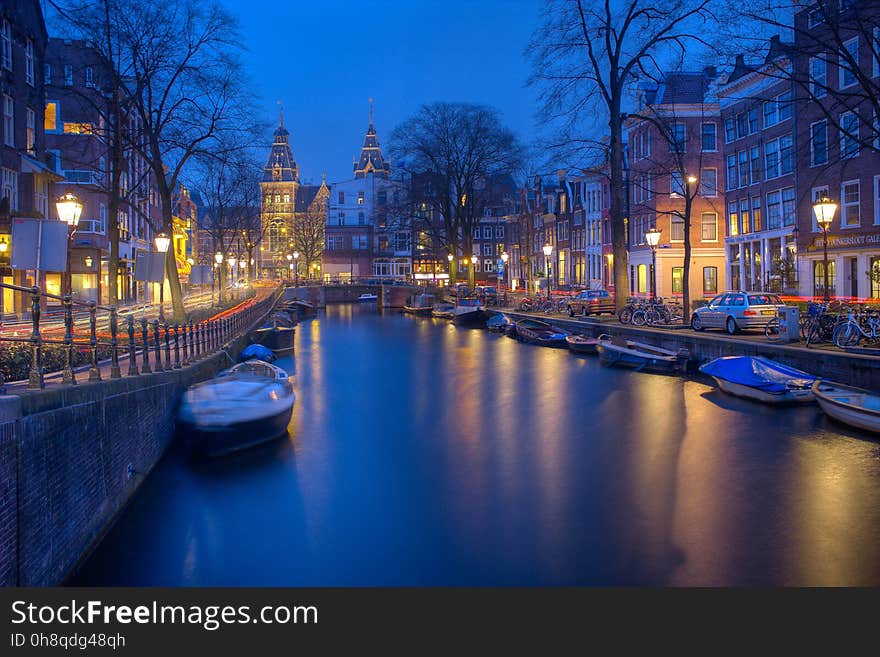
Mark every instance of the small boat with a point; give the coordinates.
(257, 352)
(499, 323)
(540, 333)
(367, 296)
(581, 344)
(248, 404)
(469, 312)
(276, 335)
(853, 406)
(617, 352)
(420, 304)
(443, 310)
(761, 379)
(298, 308)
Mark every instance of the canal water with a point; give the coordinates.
(422, 454)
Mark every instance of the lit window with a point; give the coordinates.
(30, 131)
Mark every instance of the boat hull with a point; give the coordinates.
(279, 338)
(587, 347)
(848, 413)
(797, 396)
(613, 357)
(417, 310)
(214, 441)
(471, 318)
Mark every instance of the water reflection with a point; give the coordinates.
(423, 454)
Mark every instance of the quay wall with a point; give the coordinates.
(71, 458)
(853, 369)
(389, 296)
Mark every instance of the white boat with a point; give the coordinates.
(367, 296)
(853, 406)
(761, 379)
(614, 351)
(469, 311)
(248, 404)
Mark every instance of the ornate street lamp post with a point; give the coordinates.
(824, 210)
(548, 251)
(69, 210)
(296, 269)
(162, 242)
(473, 272)
(652, 237)
(218, 259)
(289, 266)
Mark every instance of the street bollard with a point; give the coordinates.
(145, 368)
(35, 378)
(184, 345)
(177, 346)
(68, 377)
(132, 355)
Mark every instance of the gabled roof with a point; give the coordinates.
(371, 159)
(281, 167)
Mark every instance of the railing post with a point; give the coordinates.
(212, 336)
(115, 372)
(167, 347)
(132, 356)
(192, 341)
(68, 377)
(94, 372)
(157, 349)
(186, 356)
(146, 335)
(177, 346)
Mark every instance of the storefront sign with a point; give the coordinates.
(864, 240)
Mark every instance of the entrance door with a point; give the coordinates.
(854, 276)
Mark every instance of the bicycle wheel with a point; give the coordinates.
(652, 317)
(625, 315)
(814, 334)
(639, 318)
(847, 335)
(771, 330)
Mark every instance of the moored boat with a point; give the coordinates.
(257, 352)
(276, 335)
(444, 310)
(499, 323)
(581, 344)
(248, 404)
(540, 333)
(853, 406)
(420, 304)
(760, 379)
(469, 312)
(617, 352)
(367, 297)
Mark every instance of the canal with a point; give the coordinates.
(422, 454)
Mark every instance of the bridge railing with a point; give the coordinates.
(149, 345)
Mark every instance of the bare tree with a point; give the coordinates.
(308, 234)
(586, 54)
(457, 149)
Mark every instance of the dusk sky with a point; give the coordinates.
(324, 59)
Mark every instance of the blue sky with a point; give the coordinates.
(325, 58)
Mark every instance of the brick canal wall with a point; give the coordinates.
(847, 368)
(71, 458)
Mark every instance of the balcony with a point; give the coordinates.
(84, 177)
(90, 226)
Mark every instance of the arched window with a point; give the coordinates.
(276, 235)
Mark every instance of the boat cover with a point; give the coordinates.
(258, 351)
(498, 320)
(756, 372)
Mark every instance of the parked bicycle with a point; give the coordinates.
(625, 315)
(858, 326)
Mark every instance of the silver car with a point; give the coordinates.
(733, 311)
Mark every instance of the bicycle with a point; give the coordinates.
(851, 332)
(626, 313)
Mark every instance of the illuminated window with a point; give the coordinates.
(50, 121)
(78, 129)
(30, 130)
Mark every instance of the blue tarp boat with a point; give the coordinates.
(257, 352)
(761, 379)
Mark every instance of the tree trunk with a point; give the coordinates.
(686, 282)
(616, 212)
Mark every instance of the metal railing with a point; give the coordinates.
(172, 345)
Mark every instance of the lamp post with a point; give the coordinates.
(162, 242)
(473, 273)
(548, 251)
(296, 269)
(218, 260)
(652, 237)
(69, 210)
(289, 266)
(505, 276)
(824, 209)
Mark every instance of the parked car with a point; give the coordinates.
(734, 311)
(591, 302)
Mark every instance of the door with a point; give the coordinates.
(854, 277)
(715, 312)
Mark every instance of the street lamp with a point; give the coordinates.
(69, 210)
(473, 271)
(296, 269)
(4, 245)
(218, 260)
(162, 242)
(824, 210)
(652, 237)
(548, 250)
(505, 276)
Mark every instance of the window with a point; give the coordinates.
(47, 74)
(676, 184)
(8, 121)
(341, 218)
(818, 76)
(819, 278)
(771, 113)
(755, 165)
(783, 102)
(789, 213)
(341, 198)
(774, 210)
(817, 193)
(677, 138)
(709, 137)
(68, 75)
(877, 201)
(677, 276)
(816, 17)
(850, 196)
(30, 130)
(744, 223)
(756, 213)
(709, 227)
(848, 62)
(710, 280)
(742, 125)
(743, 161)
(732, 219)
(361, 219)
(487, 232)
(5, 44)
(90, 80)
(819, 143)
(849, 135)
(9, 188)
(499, 232)
(771, 159)
(876, 50)
(642, 273)
(488, 265)
(676, 229)
(786, 161)
(487, 249)
(731, 172)
(360, 198)
(29, 62)
(335, 243)
(729, 131)
(287, 198)
(777, 109)
(709, 182)
(753, 121)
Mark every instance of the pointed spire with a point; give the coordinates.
(371, 112)
(280, 114)
(371, 160)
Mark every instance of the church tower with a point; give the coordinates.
(278, 199)
(371, 160)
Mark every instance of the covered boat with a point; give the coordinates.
(535, 331)
(853, 406)
(499, 323)
(760, 379)
(276, 335)
(582, 344)
(469, 311)
(617, 352)
(248, 404)
(257, 352)
(420, 304)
